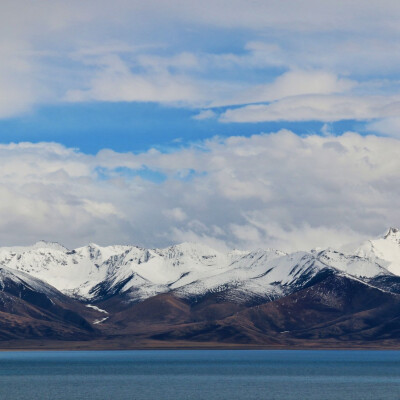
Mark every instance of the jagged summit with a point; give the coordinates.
(392, 233)
(45, 244)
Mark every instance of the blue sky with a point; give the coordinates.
(137, 127)
(124, 117)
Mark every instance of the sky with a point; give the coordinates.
(237, 124)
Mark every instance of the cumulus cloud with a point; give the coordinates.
(269, 190)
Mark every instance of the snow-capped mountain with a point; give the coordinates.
(125, 295)
(189, 270)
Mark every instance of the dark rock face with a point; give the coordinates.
(27, 312)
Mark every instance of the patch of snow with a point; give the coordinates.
(97, 308)
(99, 321)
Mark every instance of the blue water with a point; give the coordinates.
(203, 374)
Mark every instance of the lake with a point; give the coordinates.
(200, 374)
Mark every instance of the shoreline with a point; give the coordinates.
(10, 346)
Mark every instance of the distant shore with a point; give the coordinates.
(38, 345)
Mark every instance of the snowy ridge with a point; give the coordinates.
(385, 250)
(93, 272)
(22, 279)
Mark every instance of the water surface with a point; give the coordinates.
(200, 374)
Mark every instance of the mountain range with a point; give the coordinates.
(190, 295)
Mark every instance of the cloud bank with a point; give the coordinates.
(201, 55)
(270, 190)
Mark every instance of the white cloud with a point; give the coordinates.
(325, 108)
(326, 130)
(386, 126)
(176, 214)
(112, 79)
(114, 82)
(165, 51)
(205, 114)
(294, 83)
(276, 190)
(18, 91)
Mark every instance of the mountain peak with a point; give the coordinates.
(385, 249)
(191, 248)
(44, 244)
(392, 233)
